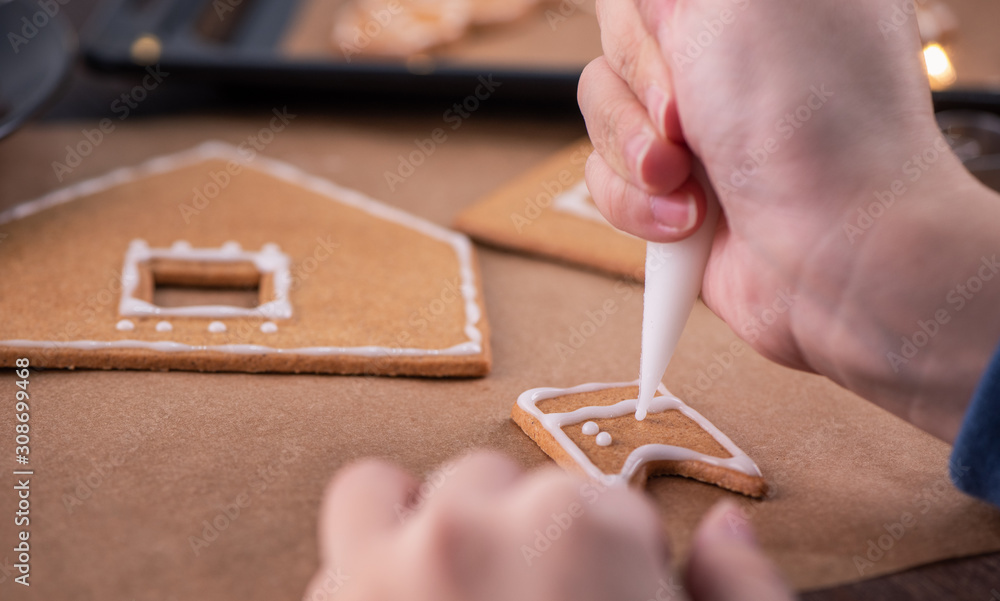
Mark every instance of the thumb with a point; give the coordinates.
(727, 564)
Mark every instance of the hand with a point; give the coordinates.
(803, 115)
(482, 529)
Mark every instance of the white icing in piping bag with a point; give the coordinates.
(674, 271)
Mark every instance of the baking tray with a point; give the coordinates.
(285, 43)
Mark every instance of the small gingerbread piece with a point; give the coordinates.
(400, 28)
(591, 429)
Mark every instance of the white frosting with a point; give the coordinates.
(674, 272)
(603, 439)
(269, 327)
(166, 346)
(216, 327)
(576, 201)
(555, 422)
(125, 326)
(218, 150)
(268, 260)
(590, 428)
(164, 326)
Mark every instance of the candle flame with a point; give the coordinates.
(940, 71)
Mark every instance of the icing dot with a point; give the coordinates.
(216, 327)
(180, 245)
(231, 247)
(603, 439)
(125, 326)
(164, 326)
(269, 327)
(590, 428)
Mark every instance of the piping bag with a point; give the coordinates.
(674, 272)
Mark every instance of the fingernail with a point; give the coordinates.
(656, 104)
(725, 521)
(636, 151)
(676, 214)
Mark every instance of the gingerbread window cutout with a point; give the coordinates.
(228, 266)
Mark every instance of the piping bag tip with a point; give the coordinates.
(674, 272)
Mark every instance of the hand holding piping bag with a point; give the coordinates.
(674, 272)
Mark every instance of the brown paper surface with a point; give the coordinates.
(131, 465)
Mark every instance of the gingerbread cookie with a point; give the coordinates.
(399, 27)
(403, 28)
(592, 429)
(215, 260)
(485, 12)
(548, 211)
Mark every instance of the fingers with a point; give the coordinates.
(608, 541)
(622, 133)
(660, 218)
(636, 57)
(480, 474)
(727, 565)
(363, 500)
(656, 16)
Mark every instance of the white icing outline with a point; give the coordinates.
(282, 171)
(268, 260)
(574, 202)
(554, 423)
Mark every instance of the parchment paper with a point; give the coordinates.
(131, 465)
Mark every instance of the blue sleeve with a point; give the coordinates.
(975, 460)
